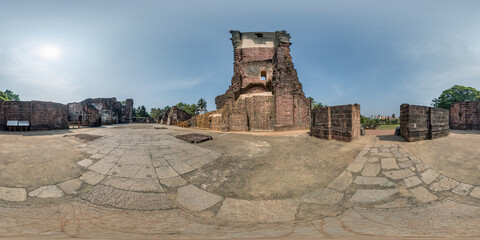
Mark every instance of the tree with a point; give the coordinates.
(141, 112)
(155, 113)
(393, 115)
(454, 94)
(9, 96)
(315, 104)
(191, 109)
(202, 105)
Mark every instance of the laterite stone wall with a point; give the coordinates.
(340, 123)
(421, 122)
(41, 115)
(465, 115)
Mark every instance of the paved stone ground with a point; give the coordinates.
(134, 186)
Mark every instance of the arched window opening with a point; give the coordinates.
(263, 75)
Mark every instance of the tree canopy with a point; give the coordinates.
(9, 96)
(454, 94)
(315, 104)
(141, 111)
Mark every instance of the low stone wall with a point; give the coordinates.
(465, 115)
(41, 115)
(421, 122)
(340, 123)
(212, 120)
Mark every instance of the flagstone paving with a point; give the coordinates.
(131, 171)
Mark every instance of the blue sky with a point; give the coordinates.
(379, 54)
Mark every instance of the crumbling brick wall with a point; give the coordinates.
(41, 115)
(214, 120)
(340, 123)
(421, 122)
(100, 111)
(465, 115)
(263, 64)
(177, 115)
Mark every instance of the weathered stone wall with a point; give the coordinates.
(128, 110)
(263, 64)
(41, 115)
(340, 123)
(465, 115)
(100, 111)
(177, 115)
(421, 122)
(212, 120)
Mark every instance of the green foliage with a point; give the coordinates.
(9, 96)
(158, 112)
(315, 104)
(140, 112)
(202, 105)
(191, 109)
(393, 115)
(454, 94)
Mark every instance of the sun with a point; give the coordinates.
(49, 52)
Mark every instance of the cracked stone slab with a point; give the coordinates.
(195, 199)
(342, 181)
(389, 163)
(166, 172)
(397, 203)
(92, 178)
(399, 174)
(429, 175)
(174, 182)
(323, 196)
(13, 194)
(355, 167)
(373, 160)
(371, 170)
(180, 167)
(133, 184)
(101, 167)
(475, 192)
(70, 186)
(412, 181)
(380, 181)
(405, 164)
(444, 184)
(118, 198)
(372, 195)
(50, 191)
(258, 211)
(85, 163)
(462, 189)
(423, 195)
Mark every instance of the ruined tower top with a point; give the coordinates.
(258, 39)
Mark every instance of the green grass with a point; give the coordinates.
(388, 127)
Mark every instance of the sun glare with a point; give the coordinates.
(49, 52)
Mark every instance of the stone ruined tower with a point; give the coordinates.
(265, 93)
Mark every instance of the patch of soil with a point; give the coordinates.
(194, 137)
(84, 137)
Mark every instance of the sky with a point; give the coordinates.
(379, 54)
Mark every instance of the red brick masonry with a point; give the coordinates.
(340, 123)
(420, 122)
(41, 115)
(465, 115)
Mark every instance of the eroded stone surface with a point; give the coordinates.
(135, 184)
(106, 195)
(50, 191)
(380, 181)
(342, 181)
(444, 184)
(258, 211)
(399, 174)
(13, 194)
(85, 162)
(323, 196)
(372, 195)
(429, 175)
(371, 170)
(463, 189)
(389, 163)
(423, 195)
(70, 186)
(195, 199)
(412, 181)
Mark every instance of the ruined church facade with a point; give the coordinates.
(265, 93)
